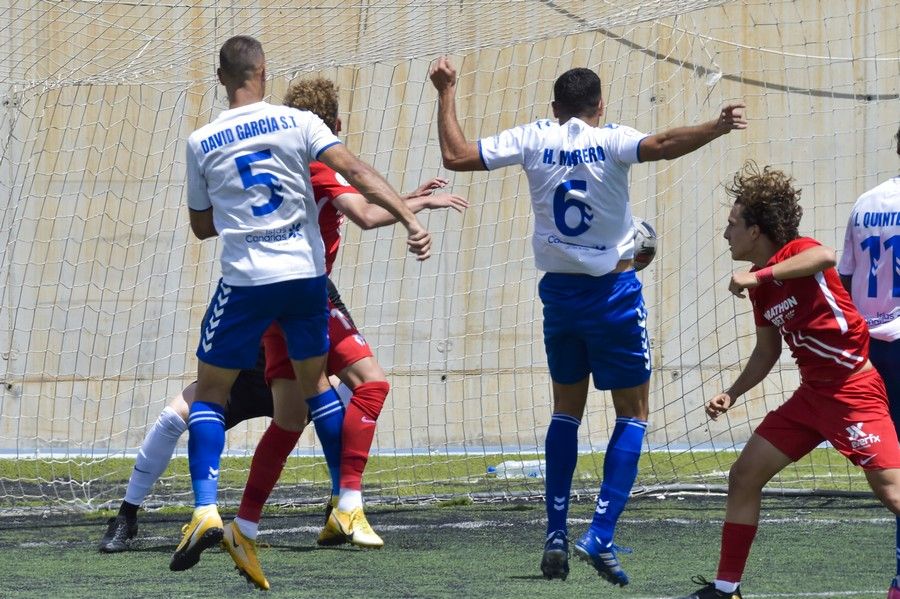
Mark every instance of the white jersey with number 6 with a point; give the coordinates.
(578, 176)
(251, 166)
(872, 257)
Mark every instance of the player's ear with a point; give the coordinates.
(555, 110)
(601, 108)
(337, 125)
(220, 76)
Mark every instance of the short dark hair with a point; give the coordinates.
(769, 200)
(240, 56)
(577, 91)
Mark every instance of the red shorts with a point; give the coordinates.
(852, 415)
(347, 347)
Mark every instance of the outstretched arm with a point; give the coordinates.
(378, 191)
(763, 358)
(683, 140)
(370, 216)
(806, 263)
(457, 153)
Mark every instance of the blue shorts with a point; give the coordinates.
(598, 326)
(885, 357)
(237, 317)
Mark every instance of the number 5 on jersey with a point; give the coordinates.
(249, 179)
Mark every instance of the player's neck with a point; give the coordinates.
(245, 95)
(592, 121)
(763, 253)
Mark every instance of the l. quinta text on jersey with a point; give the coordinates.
(246, 131)
(876, 219)
(574, 157)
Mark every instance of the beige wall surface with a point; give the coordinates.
(103, 287)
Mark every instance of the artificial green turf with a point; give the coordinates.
(832, 547)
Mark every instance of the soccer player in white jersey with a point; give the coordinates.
(870, 271)
(594, 315)
(248, 182)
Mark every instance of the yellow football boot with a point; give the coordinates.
(204, 530)
(353, 527)
(331, 534)
(243, 551)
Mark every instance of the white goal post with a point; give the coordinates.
(102, 287)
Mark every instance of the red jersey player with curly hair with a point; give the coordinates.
(796, 296)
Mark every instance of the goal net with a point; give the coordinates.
(102, 286)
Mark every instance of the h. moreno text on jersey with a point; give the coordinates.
(877, 219)
(246, 131)
(573, 157)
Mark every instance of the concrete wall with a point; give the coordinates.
(103, 288)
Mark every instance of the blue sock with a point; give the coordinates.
(206, 439)
(327, 413)
(620, 468)
(561, 455)
(898, 545)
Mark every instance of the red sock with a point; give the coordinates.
(359, 431)
(736, 542)
(272, 452)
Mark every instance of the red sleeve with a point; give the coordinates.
(328, 184)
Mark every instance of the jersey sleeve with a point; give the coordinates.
(328, 183)
(623, 143)
(197, 191)
(847, 264)
(504, 149)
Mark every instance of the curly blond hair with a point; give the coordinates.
(318, 95)
(769, 201)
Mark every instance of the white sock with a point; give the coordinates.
(726, 587)
(247, 528)
(154, 454)
(349, 500)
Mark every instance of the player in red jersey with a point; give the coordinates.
(350, 358)
(796, 295)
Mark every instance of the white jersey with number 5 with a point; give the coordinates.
(251, 166)
(578, 175)
(872, 257)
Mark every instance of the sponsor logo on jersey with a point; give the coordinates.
(781, 312)
(859, 438)
(276, 235)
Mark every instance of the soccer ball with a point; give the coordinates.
(644, 243)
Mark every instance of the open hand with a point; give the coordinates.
(732, 117)
(428, 187)
(448, 200)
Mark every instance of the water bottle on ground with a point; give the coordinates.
(512, 469)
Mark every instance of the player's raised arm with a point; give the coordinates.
(457, 153)
(378, 191)
(683, 140)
